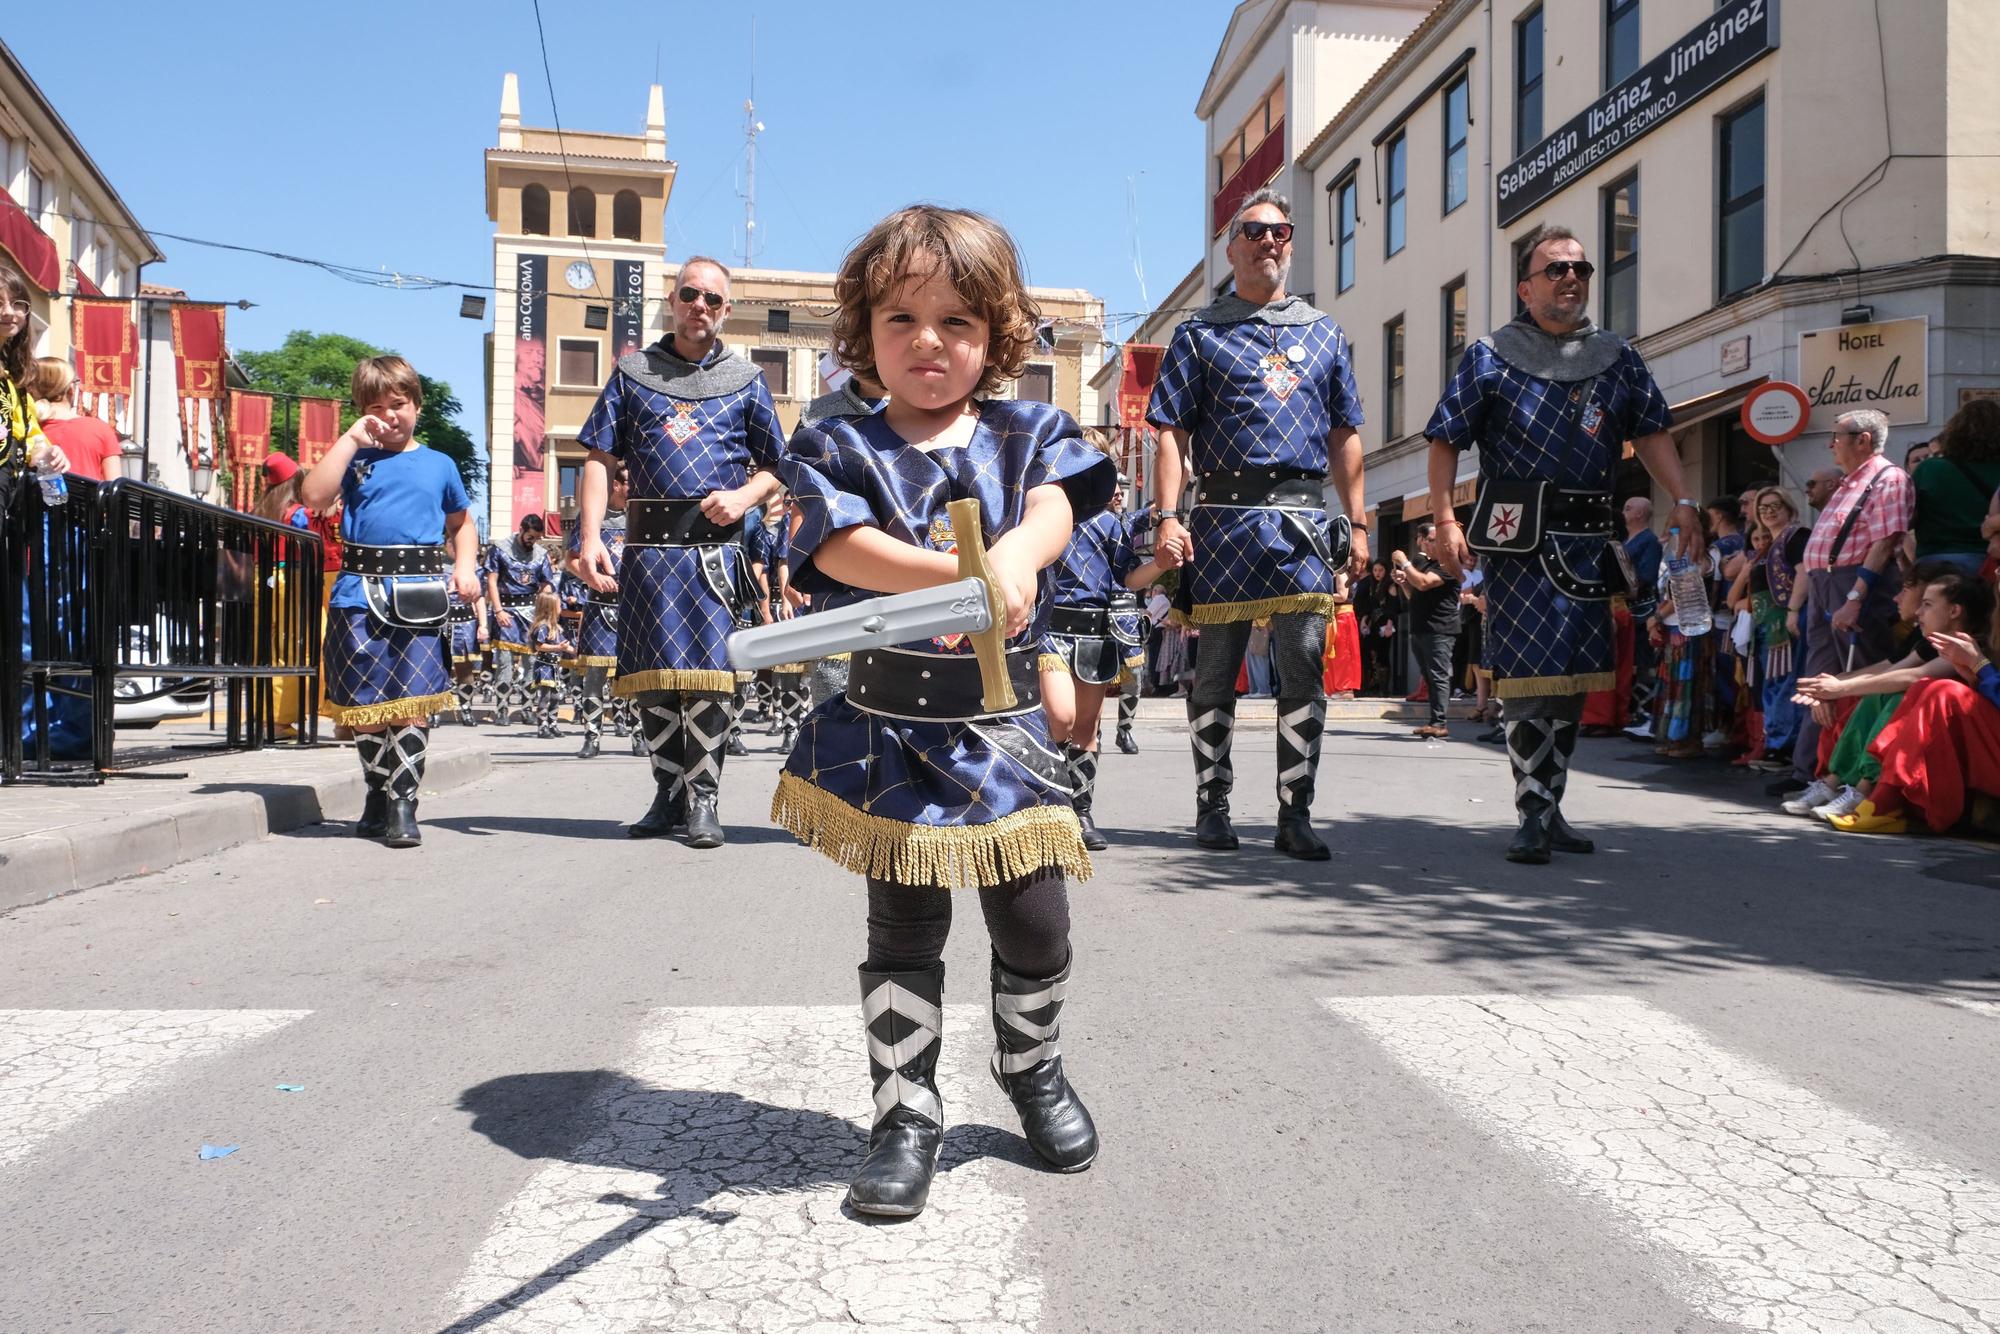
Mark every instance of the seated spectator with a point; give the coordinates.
(90, 445)
(1955, 486)
(1942, 743)
(1854, 706)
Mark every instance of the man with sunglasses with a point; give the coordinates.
(1550, 399)
(1258, 390)
(694, 425)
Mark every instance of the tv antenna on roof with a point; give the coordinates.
(752, 127)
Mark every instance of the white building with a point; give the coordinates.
(1801, 202)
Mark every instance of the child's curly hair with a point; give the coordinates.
(975, 255)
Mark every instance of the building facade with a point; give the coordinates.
(1133, 445)
(782, 320)
(579, 264)
(1800, 201)
(1283, 68)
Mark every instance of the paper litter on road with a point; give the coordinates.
(290, 1088)
(210, 1152)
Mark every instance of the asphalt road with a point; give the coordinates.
(1734, 1071)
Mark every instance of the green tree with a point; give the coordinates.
(322, 366)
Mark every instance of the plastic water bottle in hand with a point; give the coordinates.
(1688, 589)
(54, 490)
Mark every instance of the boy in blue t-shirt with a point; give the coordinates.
(386, 660)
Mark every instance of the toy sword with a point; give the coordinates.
(970, 605)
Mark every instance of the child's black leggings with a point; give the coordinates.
(1028, 920)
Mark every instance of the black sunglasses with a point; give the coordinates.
(690, 295)
(1281, 232)
(1562, 269)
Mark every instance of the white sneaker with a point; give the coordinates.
(1715, 740)
(1844, 804)
(1819, 794)
(1641, 730)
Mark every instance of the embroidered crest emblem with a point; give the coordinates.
(361, 471)
(942, 537)
(682, 427)
(1593, 417)
(1506, 519)
(1279, 377)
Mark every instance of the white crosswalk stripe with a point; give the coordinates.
(58, 1065)
(708, 1195)
(1796, 1215)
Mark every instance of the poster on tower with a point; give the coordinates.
(531, 361)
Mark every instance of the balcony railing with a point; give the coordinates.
(1256, 171)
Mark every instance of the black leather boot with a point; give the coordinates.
(372, 748)
(1128, 708)
(1083, 776)
(659, 729)
(903, 1017)
(1027, 1064)
(590, 747)
(706, 726)
(1210, 728)
(406, 749)
(1562, 838)
(374, 814)
(1301, 723)
(1531, 751)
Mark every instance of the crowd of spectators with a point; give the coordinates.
(1853, 632)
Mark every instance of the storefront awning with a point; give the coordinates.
(1701, 408)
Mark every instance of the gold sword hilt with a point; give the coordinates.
(988, 645)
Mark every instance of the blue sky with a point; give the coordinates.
(354, 132)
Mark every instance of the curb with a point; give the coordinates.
(37, 867)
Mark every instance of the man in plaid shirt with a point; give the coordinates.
(1848, 596)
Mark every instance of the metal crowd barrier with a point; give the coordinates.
(130, 583)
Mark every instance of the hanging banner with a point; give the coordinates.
(199, 352)
(249, 428)
(107, 354)
(531, 357)
(628, 307)
(1139, 367)
(249, 442)
(319, 427)
(24, 241)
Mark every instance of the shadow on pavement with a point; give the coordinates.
(1903, 914)
(698, 1142)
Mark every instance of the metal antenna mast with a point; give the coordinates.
(752, 127)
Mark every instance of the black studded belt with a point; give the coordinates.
(673, 522)
(936, 687)
(387, 562)
(462, 614)
(1264, 486)
(1080, 621)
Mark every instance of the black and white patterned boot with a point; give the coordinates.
(404, 749)
(1537, 763)
(590, 709)
(1211, 728)
(375, 771)
(659, 725)
(903, 1017)
(1083, 777)
(706, 724)
(1562, 838)
(1128, 709)
(1027, 1064)
(461, 698)
(1301, 724)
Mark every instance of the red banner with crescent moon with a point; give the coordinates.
(107, 354)
(198, 356)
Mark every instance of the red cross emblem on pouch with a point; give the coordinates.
(1279, 377)
(682, 427)
(1506, 518)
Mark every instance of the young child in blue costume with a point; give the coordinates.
(905, 778)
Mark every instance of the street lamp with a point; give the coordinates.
(203, 480)
(132, 460)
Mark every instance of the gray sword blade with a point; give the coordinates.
(959, 607)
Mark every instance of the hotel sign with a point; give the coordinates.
(1736, 36)
(1882, 366)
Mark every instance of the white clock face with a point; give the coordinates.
(580, 275)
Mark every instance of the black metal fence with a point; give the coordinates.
(128, 593)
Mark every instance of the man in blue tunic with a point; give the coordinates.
(1550, 400)
(695, 427)
(597, 634)
(1258, 388)
(516, 569)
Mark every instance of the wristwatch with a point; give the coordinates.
(1162, 515)
(1854, 595)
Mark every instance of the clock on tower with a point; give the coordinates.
(580, 276)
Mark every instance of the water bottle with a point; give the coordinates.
(1688, 590)
(54, 490)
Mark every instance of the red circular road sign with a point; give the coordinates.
(1775, 412)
